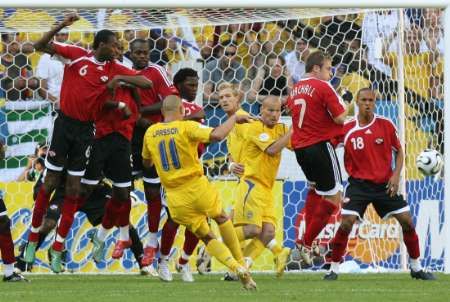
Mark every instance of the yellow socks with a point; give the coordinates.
(218, 250)
(254, 248)
(274, 247)
(240, 233)
(231, 240)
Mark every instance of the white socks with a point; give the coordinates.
(124, 233)
(415, 264)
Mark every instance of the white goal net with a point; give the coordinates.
(271, 46)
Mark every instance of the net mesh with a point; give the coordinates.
(271, 47)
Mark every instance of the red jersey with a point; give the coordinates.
(109, 121)
(368, 149)
(192, 108)
(313, 104)
(84, 81)
(162, 87)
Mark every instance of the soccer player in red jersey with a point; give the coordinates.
(87, 77)
(110, 156)
(186, 82)
(369, 141)
(318, 115)
(150, 110)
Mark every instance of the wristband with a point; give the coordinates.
(121, 105)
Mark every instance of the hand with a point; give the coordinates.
(237, 168)
(126, 112)
(393, 184)
(69, 19)
(241, 118)
(112, 85)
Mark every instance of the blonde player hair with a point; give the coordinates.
(227, 85)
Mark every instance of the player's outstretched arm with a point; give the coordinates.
(279, 144)
(136, 80)
(44, 43)
(222, 131)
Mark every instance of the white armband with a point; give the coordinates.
(121, 105)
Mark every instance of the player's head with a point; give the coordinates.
(186, 81)
(139, 53)
(61, 36)
(365, 100)
(105, 45)
(318, 64)
(271, 110)
(229, 97)
(119, 52)
(172, 108)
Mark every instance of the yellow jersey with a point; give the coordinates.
(235, 139)
(172, 147)
(260, 167)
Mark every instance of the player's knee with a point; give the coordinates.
(347, 223)
(121, 193)
(206, 238)
(48, 225)
(51, 181)
(73, 185)
(152, 191)
(252, 231)
(407, 225)
(5, 224)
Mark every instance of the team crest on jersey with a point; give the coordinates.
(379, 141)
(264, 137)
(104, 79)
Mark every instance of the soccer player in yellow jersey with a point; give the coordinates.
(254, 211)
(230, 103)
(172, 147)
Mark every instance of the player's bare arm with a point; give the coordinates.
(393, 183)
(151, 109)
(44, 44)
(222, 131)
(137, 80)
(279, 144)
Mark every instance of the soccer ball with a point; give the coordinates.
(429, 162)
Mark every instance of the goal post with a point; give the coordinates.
(406, 71)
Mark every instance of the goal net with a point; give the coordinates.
(398, 53)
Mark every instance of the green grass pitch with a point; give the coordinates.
(292, 287)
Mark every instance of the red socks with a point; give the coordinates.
(339, 245)
(112, 211)
(154, 207)
(40, 208)
(311, 203)
(123, 219)
(412, 243)
(169, 232)
(190, 243)
(324, 209)
(7, 247)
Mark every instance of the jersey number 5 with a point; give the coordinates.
(173, 155)
(302, 104)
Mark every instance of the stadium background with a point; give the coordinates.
(181, 37)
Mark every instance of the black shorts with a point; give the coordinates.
(110, 157)
(321, 167)
(69, 147)
(360, 193)
(148, 175)
(94, 207)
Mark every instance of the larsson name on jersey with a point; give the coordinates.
(167, 131)
(303, 89)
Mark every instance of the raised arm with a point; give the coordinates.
(44, 44)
